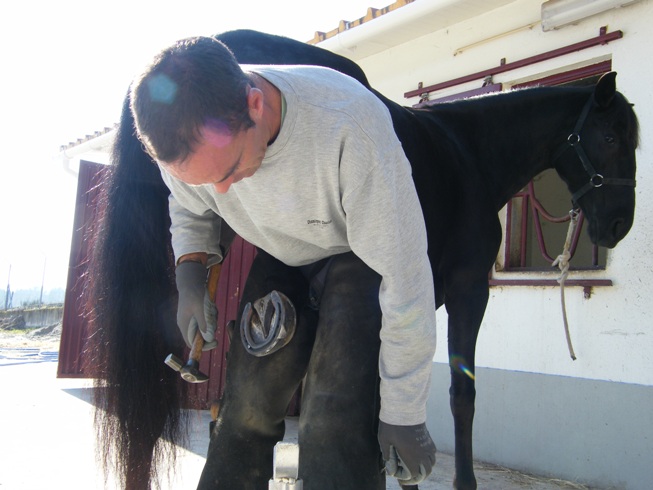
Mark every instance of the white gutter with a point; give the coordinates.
(404, 24)
(95, 148)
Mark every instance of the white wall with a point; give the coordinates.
(612, 331)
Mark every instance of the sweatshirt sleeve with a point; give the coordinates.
(386, 229)
(194, 227)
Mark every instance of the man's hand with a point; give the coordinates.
(195, 309)
(408, 452)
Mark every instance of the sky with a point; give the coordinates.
(65, 68)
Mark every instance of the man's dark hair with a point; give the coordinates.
(194, 83)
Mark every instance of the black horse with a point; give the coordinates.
(468, 158)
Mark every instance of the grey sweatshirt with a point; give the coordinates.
(335, 180)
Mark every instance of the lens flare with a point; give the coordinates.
(162, 89)
(216, 133)
(458, 363)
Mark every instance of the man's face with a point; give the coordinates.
(221, 158)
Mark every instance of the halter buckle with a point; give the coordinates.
(596, 180)
(573, 139)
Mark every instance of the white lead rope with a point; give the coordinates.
(562, 261)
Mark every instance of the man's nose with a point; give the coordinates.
(223, 187)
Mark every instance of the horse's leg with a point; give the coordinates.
(259, 389)
(465, 315)
(338, 425)
(472, 249)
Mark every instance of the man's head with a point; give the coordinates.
(192, 87)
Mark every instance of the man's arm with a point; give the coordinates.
(386, 229)
(196, 243)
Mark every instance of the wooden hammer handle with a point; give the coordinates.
(212, 286)
(214, 278)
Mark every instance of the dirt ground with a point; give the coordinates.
(44, 338)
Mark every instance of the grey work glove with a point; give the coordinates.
(195, 308)
(408, 452)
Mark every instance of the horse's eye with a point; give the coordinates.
(609, 139)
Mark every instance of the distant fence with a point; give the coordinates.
(35, 317)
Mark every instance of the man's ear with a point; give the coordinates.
(255, 104)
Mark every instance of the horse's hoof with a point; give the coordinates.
(468, 485)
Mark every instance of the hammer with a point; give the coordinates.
(191, 370)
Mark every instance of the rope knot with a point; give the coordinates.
(562, 261)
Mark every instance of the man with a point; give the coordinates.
(303, 163)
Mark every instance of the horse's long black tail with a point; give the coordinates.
(132, 304)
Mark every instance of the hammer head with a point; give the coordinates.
(174, 362)
(190, 372)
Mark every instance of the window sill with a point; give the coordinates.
(586, 284)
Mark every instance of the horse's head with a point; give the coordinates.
(598, 163)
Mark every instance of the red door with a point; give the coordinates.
(74, 326)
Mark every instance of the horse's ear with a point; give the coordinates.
(605, 89)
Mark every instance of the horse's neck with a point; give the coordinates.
(513, 137)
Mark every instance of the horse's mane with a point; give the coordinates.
(494, 100)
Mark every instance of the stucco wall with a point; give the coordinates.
(597, 433)
(522, 330)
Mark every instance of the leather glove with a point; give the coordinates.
(195, 308)
(408, 452)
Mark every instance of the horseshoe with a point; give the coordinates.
(268, 325)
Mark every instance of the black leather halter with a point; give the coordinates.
(596, 179)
